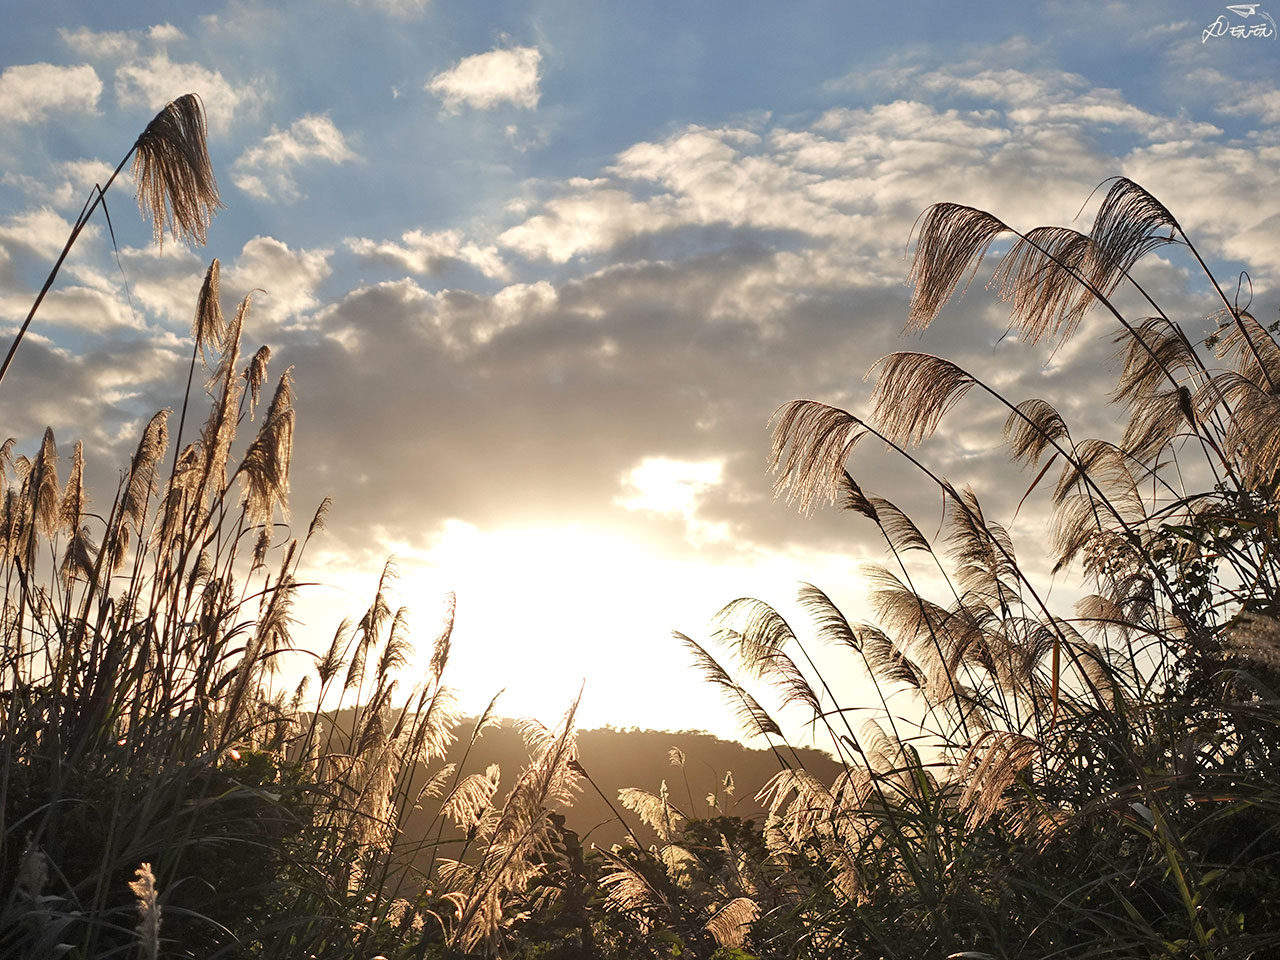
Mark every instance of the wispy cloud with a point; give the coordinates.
(487, 80)
(30, 92)
(401, 9)
(267, 170)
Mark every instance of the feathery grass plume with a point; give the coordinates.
(42, 484)
(141, 481)
(990, 767)
(176, 185)
(899, 530)
(398, 649)
(74, 501)
(219, 428)
(261, 545)
(889, 662)
(1252, 349)
(830, 625)
(982, 552)
(1124, 231)
(520, 838)
(1040, 278)
(953, 240)
(440, 649)
(811, 441)
(77, 557)
(914, 392)
(733, 921)
(1156, 354)
(255, 375)
(209, 326)
(753, 719)
(657, 812)
(174, 178)
(328, 666)
(264, 468)
(471, 798)
(630, 891)
(144, 888)
(753, 630)
(1251, 430)
(1033, 427)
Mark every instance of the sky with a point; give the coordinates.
(544, 271)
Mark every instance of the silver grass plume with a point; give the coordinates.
(1125, 230)
(914, 392)
(74, 500)
(255, 375)
(318, 519)
(953, 240)
(144, 888)
(811, 441)
(220, 427)
(753, 630)
(990, 767)
(209, 327)
(264, 469)
(829, 623)
(138, 487)
(753, 719)
(77, 559)
(471, 798)
(656, 811)
(440, 649)
(899, 530)
(731, 923)
(519, 839)
(43, 492)
(1041, 278)
(176, 185)
(329, 665)
(1033, 427)
(141, 481)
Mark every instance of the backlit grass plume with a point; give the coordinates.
(175, 188)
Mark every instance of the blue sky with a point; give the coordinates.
(546, 269)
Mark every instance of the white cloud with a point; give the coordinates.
(42, 232)
(101, 45)
(284, 282)
(165, 33)
(488, 79)
(71, 183)
(78, 307)
(156, 80)
(31, 91)
(425, 253)
(266, 171)
(585, 222)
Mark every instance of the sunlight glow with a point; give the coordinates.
(543, 609)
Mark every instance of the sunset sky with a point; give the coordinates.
(545, 270)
